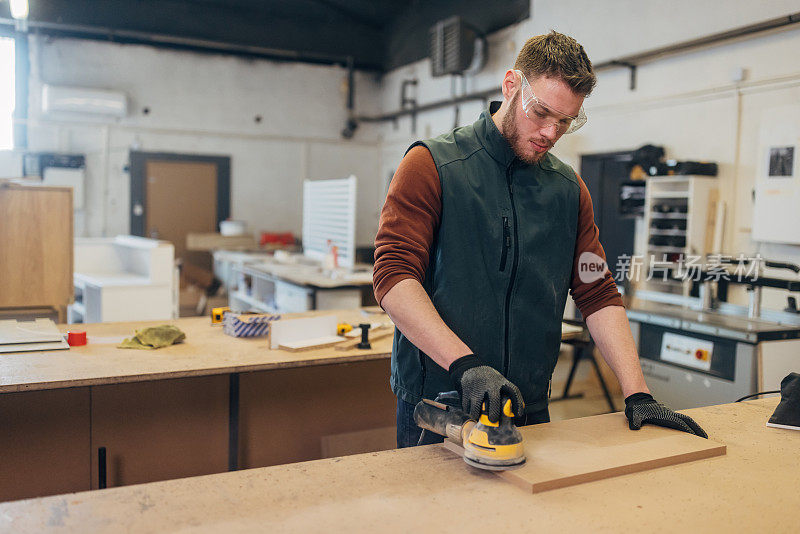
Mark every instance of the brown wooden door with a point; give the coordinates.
(181, 197)
(161, 429)
(44, 443)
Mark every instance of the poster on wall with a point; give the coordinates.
(781, 162)
(776, 218)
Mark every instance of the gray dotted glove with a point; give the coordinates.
(478, 383)
(641, 408)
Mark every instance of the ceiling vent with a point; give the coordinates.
(456, 48)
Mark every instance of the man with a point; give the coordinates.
(479, 243)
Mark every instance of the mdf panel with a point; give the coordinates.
(286, 413)
(576, 451)
(35, 246)
(161, 429)
(44, 443)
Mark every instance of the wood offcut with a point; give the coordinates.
(575, 451)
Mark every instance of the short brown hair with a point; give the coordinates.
(556, 54)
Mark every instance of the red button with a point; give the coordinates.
(76, 339)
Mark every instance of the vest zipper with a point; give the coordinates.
(506, 244)
(506, 353)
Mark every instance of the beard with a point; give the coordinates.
(521, 147)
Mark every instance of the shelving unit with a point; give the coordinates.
(680, 222)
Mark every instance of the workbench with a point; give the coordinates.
(753, 488)
(301, 284)
(96, 416)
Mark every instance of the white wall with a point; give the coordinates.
(688, 103)
(206, 104)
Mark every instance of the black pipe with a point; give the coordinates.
(714, 38)
(628, 62)
(351, 124)
(82, 31)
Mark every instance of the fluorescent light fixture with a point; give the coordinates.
(19, 8)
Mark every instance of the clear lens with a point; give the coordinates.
(544, 116)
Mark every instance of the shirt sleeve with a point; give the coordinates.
(595, 293)
(408, 221)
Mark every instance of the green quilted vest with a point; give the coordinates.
(500, 264)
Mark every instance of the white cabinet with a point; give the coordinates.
(276, 289)
(125, 278)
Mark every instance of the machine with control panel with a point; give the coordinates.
(697, 351)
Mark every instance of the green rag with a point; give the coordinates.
(154, 337)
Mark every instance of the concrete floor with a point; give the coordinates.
(593, 401)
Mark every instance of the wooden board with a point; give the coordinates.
(574, 451)
(214, 241)
(308, 344)
(35, 246)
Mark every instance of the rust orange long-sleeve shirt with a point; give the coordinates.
(410, 217)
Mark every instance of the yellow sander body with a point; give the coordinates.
(495, 446)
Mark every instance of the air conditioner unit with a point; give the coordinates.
(56, 99)
(456, 48)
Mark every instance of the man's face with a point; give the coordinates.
(531, 138)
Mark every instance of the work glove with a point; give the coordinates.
(478, 383)
(642, 408)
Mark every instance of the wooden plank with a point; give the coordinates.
(215, 241)
(308, 344)
(36, 245)
(575, 451)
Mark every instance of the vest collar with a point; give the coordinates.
(494, 142)
(491, 138)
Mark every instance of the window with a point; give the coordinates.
(7, 93)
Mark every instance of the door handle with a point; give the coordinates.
(101, 468)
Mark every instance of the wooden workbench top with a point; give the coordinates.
(427, 489)
(206, 351)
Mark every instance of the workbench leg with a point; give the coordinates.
(233, 422)
(602, 381)
(577, 354)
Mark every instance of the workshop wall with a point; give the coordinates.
(194, 103)
(688, 103)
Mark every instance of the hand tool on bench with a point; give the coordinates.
(495, 446)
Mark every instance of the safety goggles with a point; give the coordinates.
(543, 115)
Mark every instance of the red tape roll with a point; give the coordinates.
(76, 339)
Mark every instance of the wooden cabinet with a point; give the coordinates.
(44, 443)
(175, 428)
(299, 414)
(36, 244)
(160, 430)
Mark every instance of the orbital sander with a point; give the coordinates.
(495, 446)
